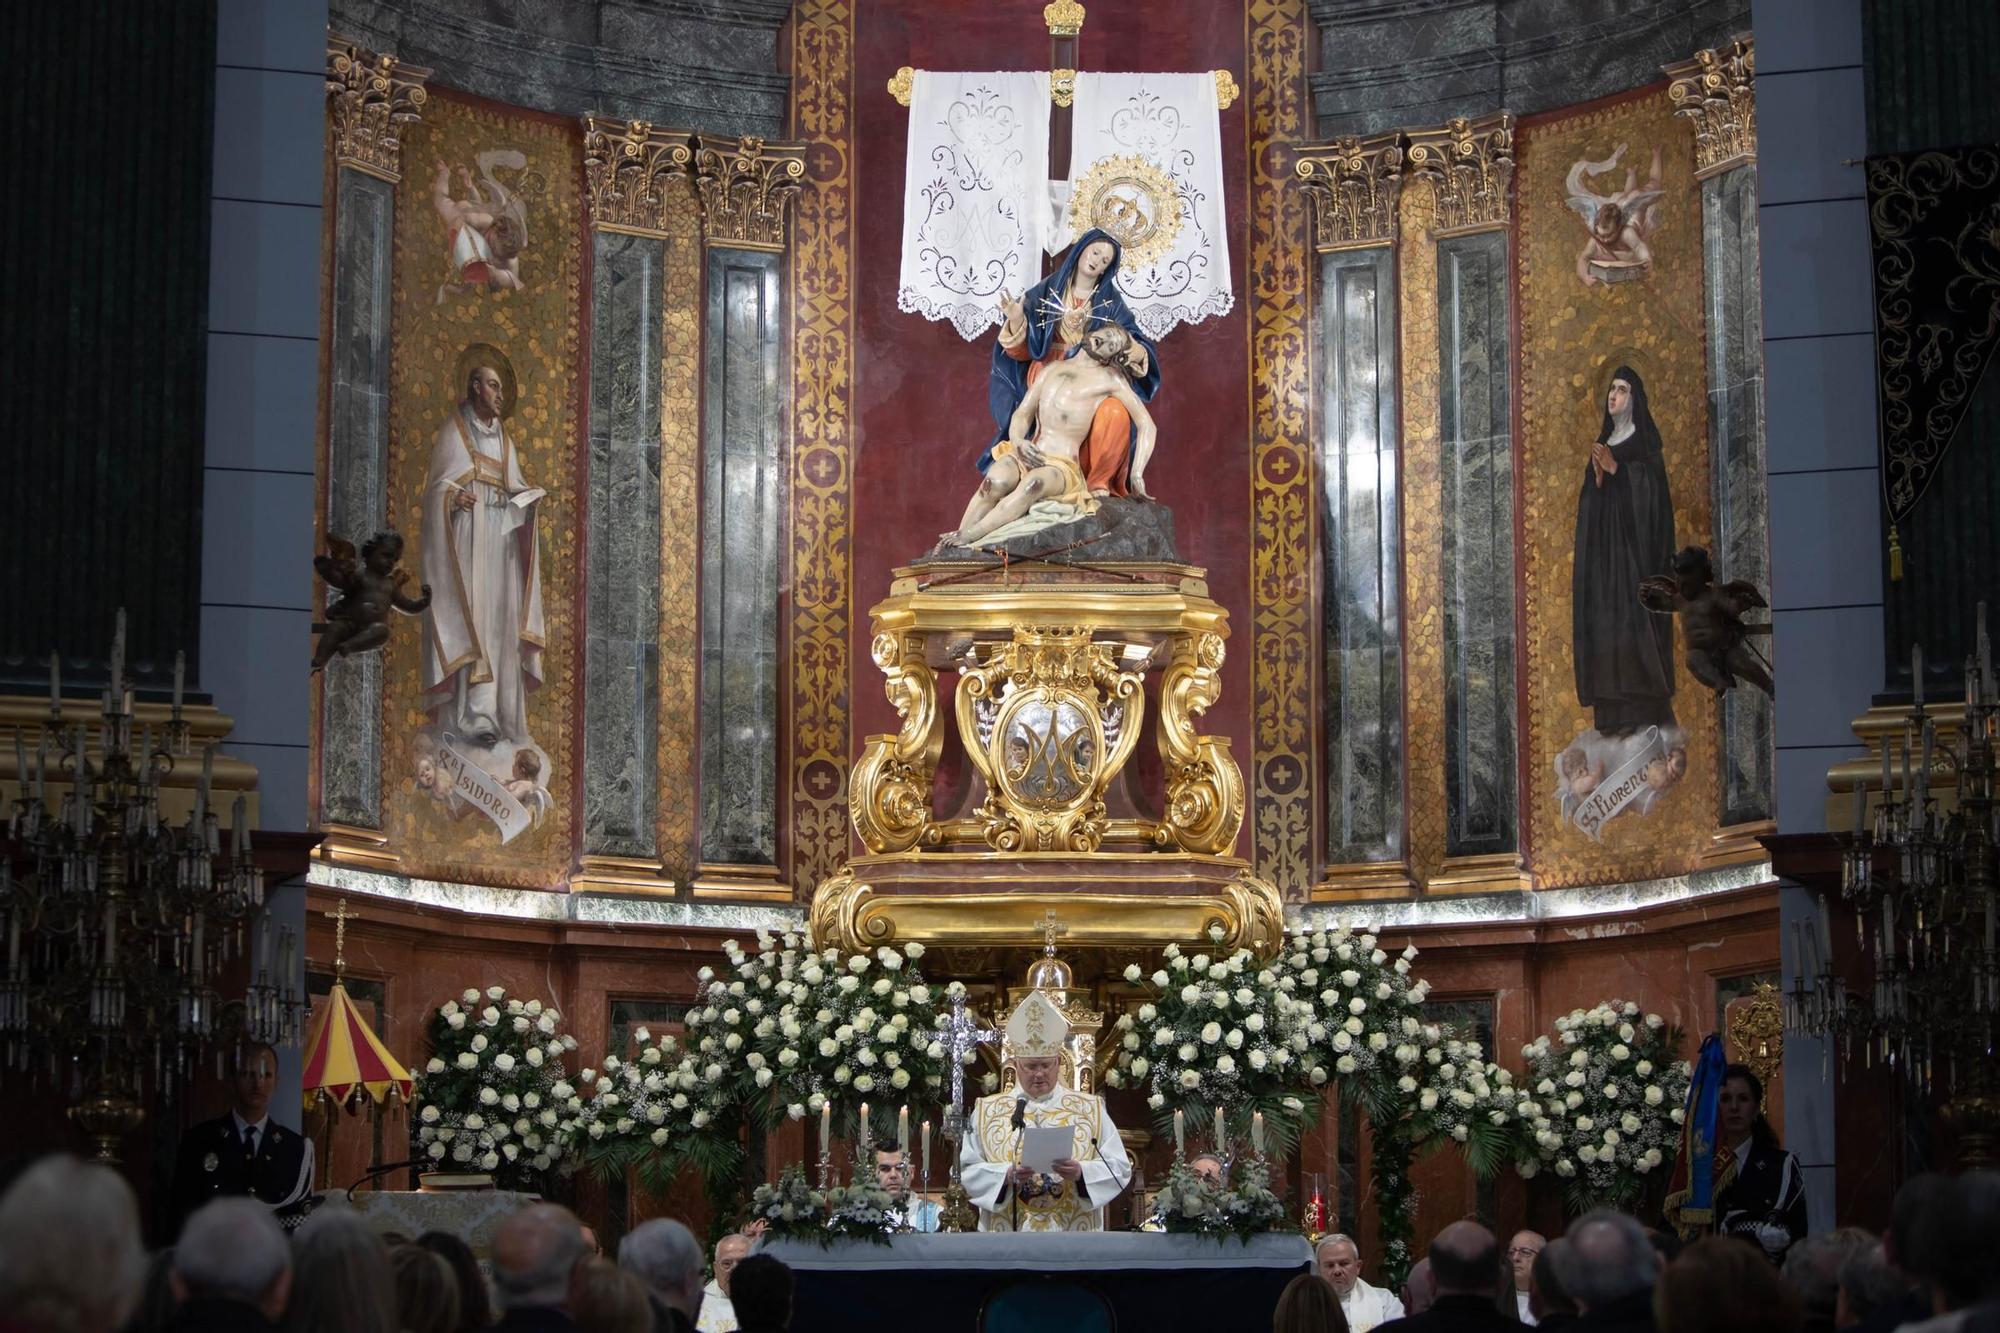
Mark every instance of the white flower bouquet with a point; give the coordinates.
(1216, 1032)
(825, 1027)
(1189, 1205)
(493, 1095)
(1464, 1099)
(792, 1209)
(1364, 1026)
(652, 1113)
(1601, 1105)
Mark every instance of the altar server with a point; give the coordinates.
(1072, 1194)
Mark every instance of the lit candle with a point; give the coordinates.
(1917, 674)
(903, 1130)
(825, 1127)
(926, 1133)
(864, 1123)
(180, 680)
(1180, 1133)
(1221, 1145)
(1257, 1133)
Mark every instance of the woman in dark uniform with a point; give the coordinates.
(1760, 1195)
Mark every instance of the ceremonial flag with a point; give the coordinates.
(1691, 1204)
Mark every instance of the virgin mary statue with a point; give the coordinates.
(1624, 532)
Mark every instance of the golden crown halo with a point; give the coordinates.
(1132, 200)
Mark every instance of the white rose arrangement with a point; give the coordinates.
(1600, 1105)
(836, 1028)
(489, 1097)
(1217, 1032)
(651, 1112)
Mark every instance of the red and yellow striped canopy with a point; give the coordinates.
(344, 1056)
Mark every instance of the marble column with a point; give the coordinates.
(1478, 476)
(745, 189)
(1469, 165)
(1353, 185)
(1715, 91)
(370, 98)
(639, 197)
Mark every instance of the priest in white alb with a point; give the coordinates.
(1071, 1193)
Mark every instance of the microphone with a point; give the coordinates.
(1020, 1112)
(380, 1169)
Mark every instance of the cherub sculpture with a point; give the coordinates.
(359, 620)
(1621, 224)
(1717, 640)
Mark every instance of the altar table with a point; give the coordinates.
(1003, 1282)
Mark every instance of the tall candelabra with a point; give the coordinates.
(119, 924)
(1924, 891)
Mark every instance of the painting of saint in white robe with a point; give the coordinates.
(484, 632)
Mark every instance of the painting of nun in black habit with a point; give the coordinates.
(1624, 654)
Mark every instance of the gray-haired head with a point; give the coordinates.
(70, 1255)
(534, 1252)
(232, 1250)
(1871, 1283)
(665, 1256)
(1609, 1257)
(1336, 1238)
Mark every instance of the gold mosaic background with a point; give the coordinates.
(1281, 634)
(1572, 338)
(680, 539)
(822, 471)
(1423, 531)
(539, 330)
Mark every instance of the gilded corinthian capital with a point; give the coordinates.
(1470, 163)
(630, 169)
(746, 188)
(1353, 184)
(1717, 90)
(370, 97)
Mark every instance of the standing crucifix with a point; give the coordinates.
(960, 1035)
(340, 916)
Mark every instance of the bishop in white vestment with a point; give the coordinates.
(484, 632)
(1070, 1197)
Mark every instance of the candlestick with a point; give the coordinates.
(925, 1157)
(180, 680)
(1221, 1144)
(1917, 674)
(863, 1139)
(118, 657)
(1257, 1133)
(1180, 1133)
(825, 1127)
(903, 1130)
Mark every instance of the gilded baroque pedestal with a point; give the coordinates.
(1055, 673)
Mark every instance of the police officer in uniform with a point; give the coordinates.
(245, 1152)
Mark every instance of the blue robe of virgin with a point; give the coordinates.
(1008, 384)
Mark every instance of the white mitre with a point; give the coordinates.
(1036, 1028)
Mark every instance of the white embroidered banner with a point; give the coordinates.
(474, 786)
(1628, 784)
(976, 214)
(1146, 166)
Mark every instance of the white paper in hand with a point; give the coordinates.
(1042, 1146)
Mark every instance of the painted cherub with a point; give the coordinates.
(1579, 774)
(359, 620)
(487, 227)
(1621, 224)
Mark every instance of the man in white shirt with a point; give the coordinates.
(1365, 1306)
(718, 1313)
(1522, 1252)
(892, 1173)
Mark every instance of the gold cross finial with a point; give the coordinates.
(1051, 926)
(340, 916)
